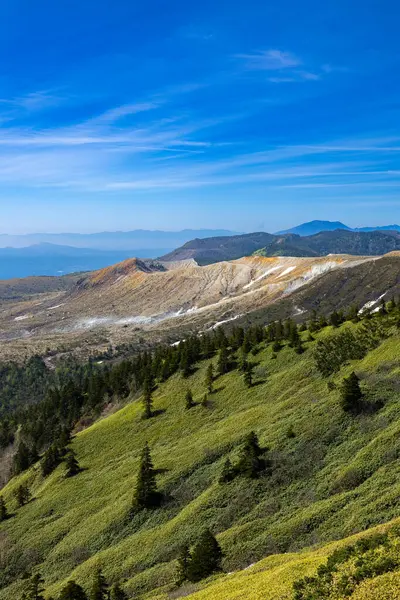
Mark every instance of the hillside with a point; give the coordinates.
(339, 241)
(332, 474)
(142, 302)
(163, 300)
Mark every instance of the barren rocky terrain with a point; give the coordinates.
(149, 301)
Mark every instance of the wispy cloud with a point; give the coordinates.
(270, 60)
(287, 65)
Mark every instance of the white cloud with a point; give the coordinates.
(270, 60)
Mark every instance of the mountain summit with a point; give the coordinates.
(313, 227)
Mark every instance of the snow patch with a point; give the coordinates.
(56, 306)
(370, 304)
(286, 271)
(265, 274)
(219, 323)
(22, 318)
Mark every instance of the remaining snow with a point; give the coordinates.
(56, 306)
(312, 273)
(219, 323)
(370, 304)
(21, 318)
(262, 276)
(286, 271)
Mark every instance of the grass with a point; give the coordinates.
(337, 476)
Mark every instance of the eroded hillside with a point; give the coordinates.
(160, 301)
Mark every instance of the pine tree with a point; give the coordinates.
(99, 587)
(117, 593)
(51, 460)
(147, 399)
(22, 495)
(3, 510)
(206, 558)
(351, 394)
(248, 375)
(183, 564)
(227, 473)
(146, 494)
(189, 400)
(72, 591)
(34, 588)
(210, 378)
(242, 359)
(22, 458)
(72, 464)
(250, 464)
(223, 361)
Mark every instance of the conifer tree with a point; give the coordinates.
(183, 564)
(189, 399)
(22, 495)
(51, 460)
(99, 589)
(34, 588)
(3, 510)
(223, 361)
(205, 559)
(72, 464)
(22, 459)
(146, 494)
(147, 399)
(72, 591)
(250, 464)
(210, 378)
(242, 359)
(117, 593)
(351, 394)
(227, 473)
(248, 375)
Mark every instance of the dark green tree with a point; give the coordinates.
(3, 510)
(206, 558)
(227, 473)
(351, 396)
(189, 399)
(72, 464)
(117, 593)
(50, 460)
(146, 494)
(34, 588)
(242, 359)
(147, 399)
(210, 378)
(22, 459)
(72, 591)
(223, 361)
(183, 565)
(22, 495)
(248, 375)
(99, 589)
(250, 463)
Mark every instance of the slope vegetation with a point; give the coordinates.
(340, 241)
(332, 474)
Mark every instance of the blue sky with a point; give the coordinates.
(165, 115)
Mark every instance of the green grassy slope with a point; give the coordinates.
(337, 476)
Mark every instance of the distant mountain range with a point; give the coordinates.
(339, 241)
(141, 239)
(313, 227)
